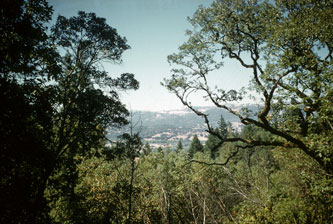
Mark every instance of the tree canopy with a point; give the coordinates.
(195, 146)
(286, 46)
(57, 102)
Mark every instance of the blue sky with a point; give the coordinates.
(154, 29)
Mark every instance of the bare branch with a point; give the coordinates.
(263, 114)
(212, 164)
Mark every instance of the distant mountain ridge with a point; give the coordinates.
(166, 128)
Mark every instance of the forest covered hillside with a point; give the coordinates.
(61, 112)
(166, 128)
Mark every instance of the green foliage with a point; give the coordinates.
(216, 138)
(283, 156)
(85, 111)
(54, 112)
(286, 46)
(25, 153)
(23, 39)
(27, 61)
(254, 186)
(212, 144)
(147, 149)
(55, 165)
(179, 146)
(195, 146)
(292, 201)
(159, 149)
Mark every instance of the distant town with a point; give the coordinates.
(166, 128)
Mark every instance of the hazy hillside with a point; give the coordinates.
(166, 128)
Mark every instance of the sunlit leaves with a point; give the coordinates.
(286, 47)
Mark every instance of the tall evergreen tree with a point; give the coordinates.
(179, 146)
(212, 144)
(195, 146)
(222, 128)
(215, 139)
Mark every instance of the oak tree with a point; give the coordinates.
(286, 47)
